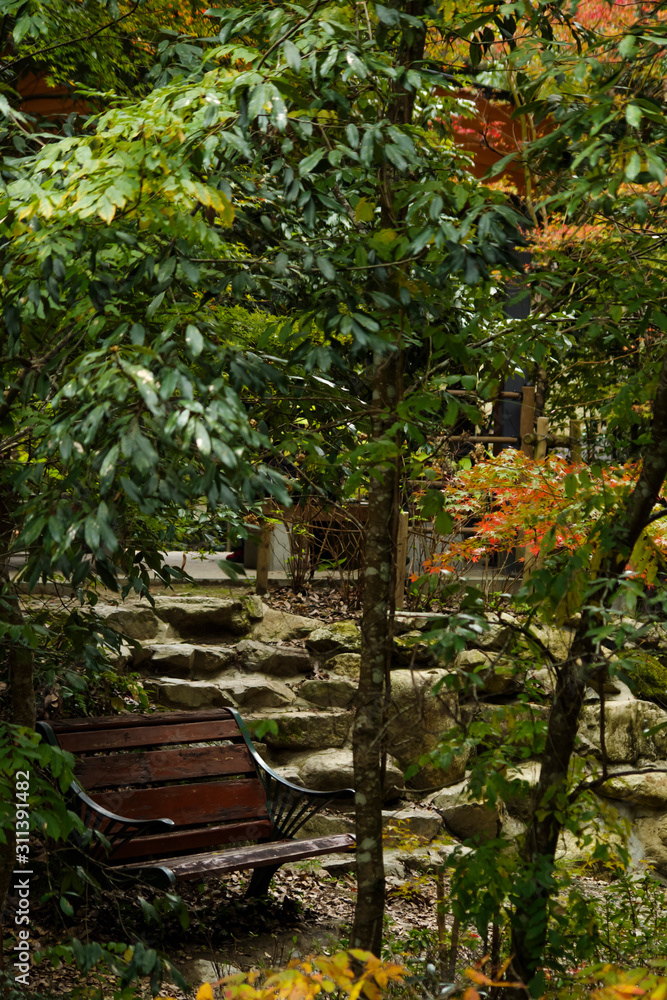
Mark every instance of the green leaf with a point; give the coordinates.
(627, 46)
(108, 467)
(92, 533)
(194, 340)
(656, 166)
(352, 135)
(310, 162)
(633, 115)
(633, 167)
(444, 523)
(387, 15)
(190, 270)
(326, 267)
(166, 270)
(202, 438)
(292, 55)
(154, 305)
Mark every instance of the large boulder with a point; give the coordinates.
(431, 860)
(254, 693)
(191, 694)
(417, 720)
(337, 637)
(626, 725)
(499, 674)
(505, 636)
(278, 661)
(409, 621)
(647, 675)
(309, 730)
(644, 790)
(557, 640)
(611, 826)
(337, 692)
(135, 621)
(465, 817)
(194, 617)
(412, 648)
(281, 626)
(411, 825)
(326, 770)
(345, 664)
(515, 723)
(209, 661)
(523, 780)
(181, 659)
(651, 831)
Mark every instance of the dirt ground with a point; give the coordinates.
(308, 912)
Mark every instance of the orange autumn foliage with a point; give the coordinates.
(544, 506)
(304, 979)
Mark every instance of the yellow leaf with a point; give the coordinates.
(205, 992)
(356, 990)
(660, 992)
(478, 977)
(371, 991)
(364, 210)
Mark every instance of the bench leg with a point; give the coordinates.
(260, 881)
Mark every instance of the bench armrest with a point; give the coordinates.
(289, 805)
(116, 830)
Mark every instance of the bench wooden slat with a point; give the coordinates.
(146, 736)
(194, 840)
(189, 805)
(163, 765)
(258, 856)
(128, 721)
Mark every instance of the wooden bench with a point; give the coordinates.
(161, 794)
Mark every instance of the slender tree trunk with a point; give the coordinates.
(376, 646)
(618, 536)
(380, 573)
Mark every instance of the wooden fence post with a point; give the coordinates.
(527, 420)
(531, 562)
(401, 558)
(263, 557)
(541, 435)
(575, 441)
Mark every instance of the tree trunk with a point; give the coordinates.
(376, 647)
(380, 574)
(618, 536)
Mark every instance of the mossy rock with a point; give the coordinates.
(337, 637)
(647, 676)
(412, 647)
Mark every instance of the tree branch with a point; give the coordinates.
(72, 41)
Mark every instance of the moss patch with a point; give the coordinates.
(647, 676)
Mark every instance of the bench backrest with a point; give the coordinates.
(196, 771)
